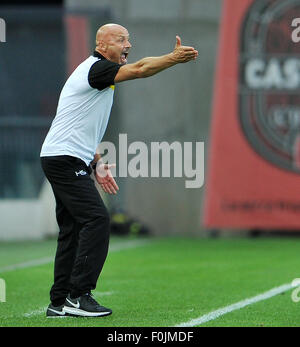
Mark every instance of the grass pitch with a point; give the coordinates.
(161, 282)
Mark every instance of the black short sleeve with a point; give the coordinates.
(102, 74)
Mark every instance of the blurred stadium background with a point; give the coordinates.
(241, 98)
(44, 43)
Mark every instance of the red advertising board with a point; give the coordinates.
(77, 34)
(253, 172)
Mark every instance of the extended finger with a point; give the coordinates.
(187, 48)
(112, 189)
(113, 183)
(178, 41)
(108, 188)
(189, 56)
(103, 187)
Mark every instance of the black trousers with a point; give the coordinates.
(83, 222)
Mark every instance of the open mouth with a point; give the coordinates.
(124, 56)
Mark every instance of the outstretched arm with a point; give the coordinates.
(150, 66)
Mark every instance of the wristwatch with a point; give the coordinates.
(95, 165)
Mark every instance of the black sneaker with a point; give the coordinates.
(85, 306)
(55, 311)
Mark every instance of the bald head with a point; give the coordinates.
(107, 31)
(112, 41)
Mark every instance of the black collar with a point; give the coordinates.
(98, 55)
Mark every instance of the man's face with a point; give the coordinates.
(118, 45)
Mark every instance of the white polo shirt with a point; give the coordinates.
(83, 110)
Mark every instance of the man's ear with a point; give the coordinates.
(102, 46)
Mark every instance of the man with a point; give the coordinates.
(67, 155)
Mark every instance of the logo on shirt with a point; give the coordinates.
(80, 173)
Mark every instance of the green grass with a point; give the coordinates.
(164, 282)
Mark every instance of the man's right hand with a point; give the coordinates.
(183, 54)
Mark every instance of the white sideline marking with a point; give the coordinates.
(26, 264)
(35, 312)
(36, 262)
(126, 245)
(238, 305)
(42, 310)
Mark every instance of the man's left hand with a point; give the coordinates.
(105, 178)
